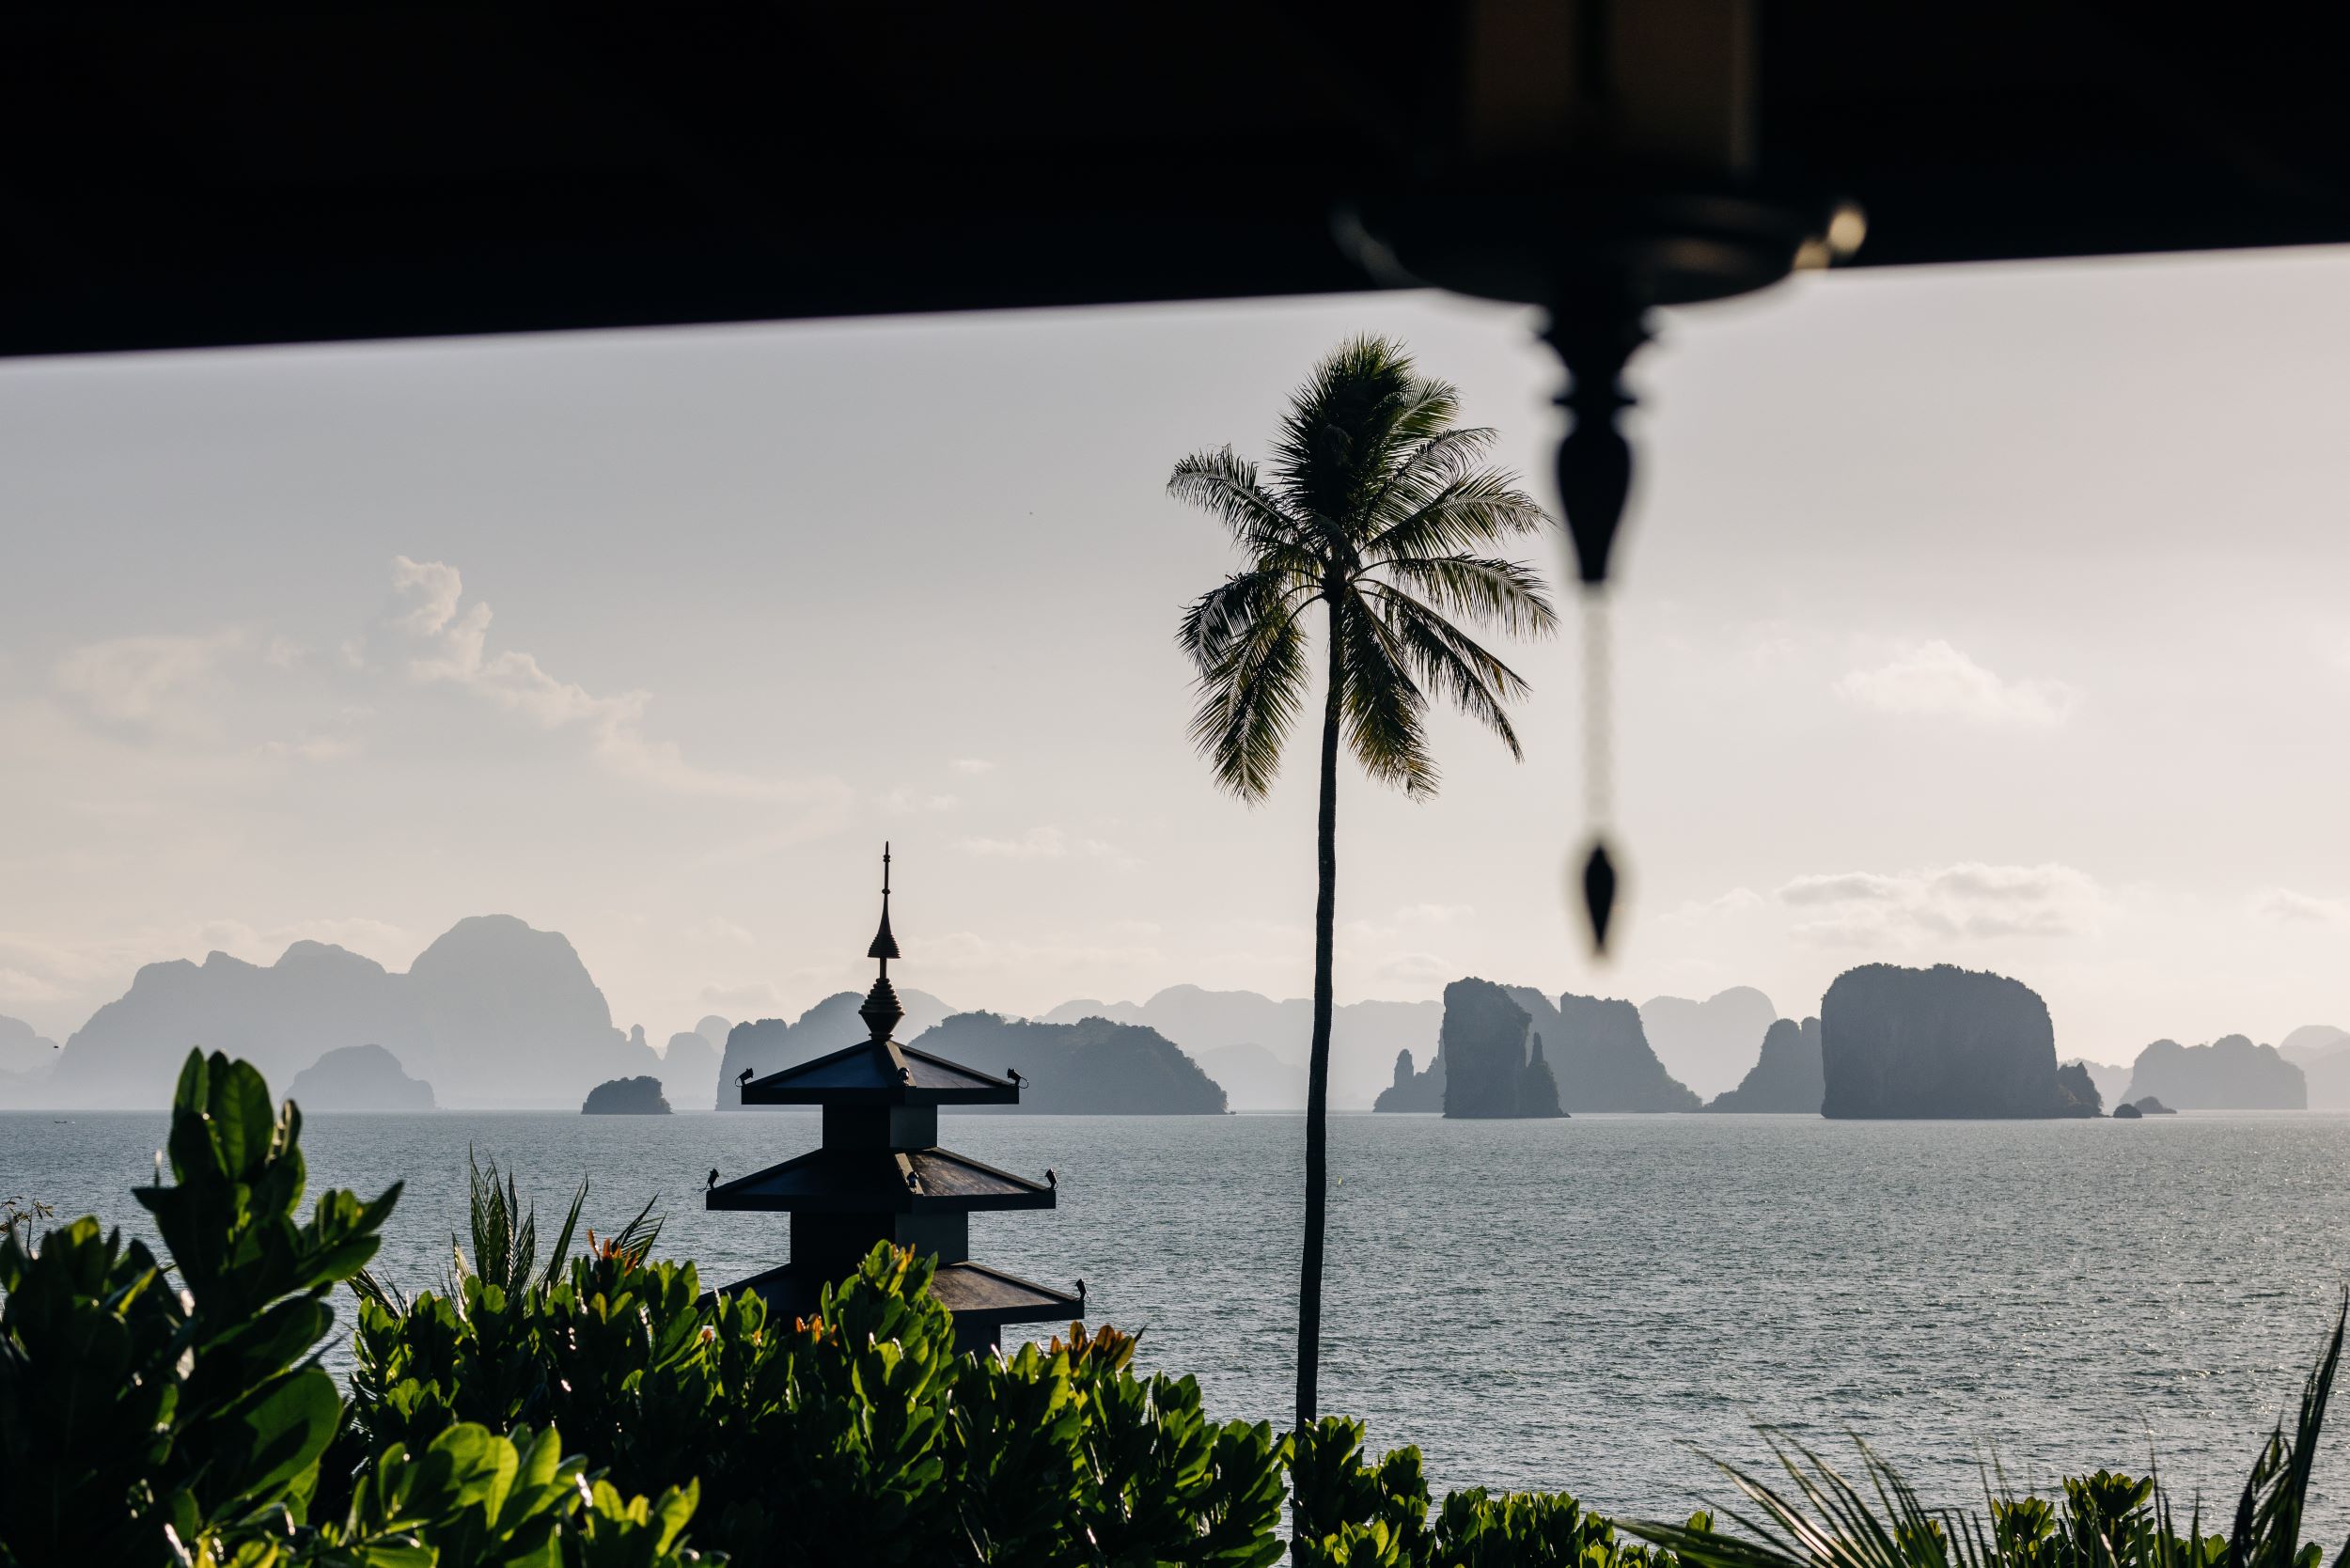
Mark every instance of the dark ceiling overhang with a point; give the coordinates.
(177, 177)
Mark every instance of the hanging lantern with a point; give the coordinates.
(1597, 159)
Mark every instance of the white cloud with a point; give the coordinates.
(152, 681)
(1049, 843)
(1418, 967)
(2287, 907)
(1935, 679)
(973, 765)
(446, 640)
(1965, 901)
(904, 799)
(1737, 902)
(714, 928)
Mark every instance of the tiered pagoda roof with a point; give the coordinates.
(880, 1175)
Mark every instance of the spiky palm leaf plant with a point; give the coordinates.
(504, 1232)
(1818, 1519)
(1381, 512)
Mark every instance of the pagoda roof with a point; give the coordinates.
(967, 1290)
(974, 1290)
(880, 1072)
(873, 1181)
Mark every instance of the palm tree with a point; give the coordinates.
(1381, 511)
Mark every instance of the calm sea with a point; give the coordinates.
(1584, 1303)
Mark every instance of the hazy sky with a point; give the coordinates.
(1995, 616)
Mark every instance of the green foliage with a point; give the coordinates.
(1351, 1513)
(862, 1411)
(2106, 1520)
(145, 1419)
(147, 1423)
(1379, 508)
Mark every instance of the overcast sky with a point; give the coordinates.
(1995, 616)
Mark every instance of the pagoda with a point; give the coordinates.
(880, 1175)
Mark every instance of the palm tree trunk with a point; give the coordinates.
(1318, 1068)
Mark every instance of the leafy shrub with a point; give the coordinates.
(1823, 1520)
(1349, 1513)
(863, 1411)
(145, 1419)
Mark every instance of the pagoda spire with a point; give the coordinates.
(881, 1010)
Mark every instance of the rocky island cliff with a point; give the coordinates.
(1938, 1043)
(638, 1096)
(1094, 1067)
(1599, 1050)
(1421, 1090)
(2230, 1073)
(1786, 1079)
(358, 1078)
(1491, 1060)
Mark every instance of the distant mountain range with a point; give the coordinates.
(492, 1014)
(1364, 1036)
(496, 1013)
(1710, 1045)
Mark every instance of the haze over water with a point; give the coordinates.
(1561, 1304)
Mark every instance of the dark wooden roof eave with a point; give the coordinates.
(873, 1183)
(803, 1083)
(973, 1291)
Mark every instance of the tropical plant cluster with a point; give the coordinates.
(601, 1411)
(175, 1413)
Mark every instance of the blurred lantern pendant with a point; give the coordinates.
(1595, 338)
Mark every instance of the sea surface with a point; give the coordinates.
(1593, 1304)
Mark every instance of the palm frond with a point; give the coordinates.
(1385, 711)
(1452, 662)
(1467, 512)
(1360, 414)
(2108, 1521)
(562, 1248)
(1250, 653)
(1225, 486)
(1504, 593)
(1423, 469)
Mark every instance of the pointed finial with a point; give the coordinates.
(885, 945)
(881, 1010)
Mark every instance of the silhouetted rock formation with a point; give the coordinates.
(493, 1012)
(27, 1060)
(770, 1044)
(2111, 1082)
(1938, 1043)
(689, 1069)
(1364, 1036)
(2230, 1073)
(2079, 1091)
(1091, 1067)
(23, 1051)
(1412, 1091)
(1599, 1054)
(2311, 1041)
(1492, 1063)
(1710, 1046)
(2323, 1054)
(1254, 1078)
(626, 1097)
(2126, 1112)
(358, 1078)
(2152, 1106)
(1787, 1079)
